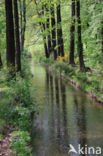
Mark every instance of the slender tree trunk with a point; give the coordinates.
(21, 22)
(53, 32)
(45, 44)
(102, 36)
(80, 45)
(22, 6)
(10, 34)
(59, 32)
(45, 48)
(0, 58)
(0, 61)
(44, 37)
(17, 38)
(72, 34)
(48, 29)
(24, 24)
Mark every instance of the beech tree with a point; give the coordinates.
(53, 25)
(0, 61)
(60, 42)
(17, 38)
(22, 6)
(48, 28)
(72, 33)
(10, 42)
(79, 42)
(45, 37)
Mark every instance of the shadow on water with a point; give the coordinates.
(66, 117)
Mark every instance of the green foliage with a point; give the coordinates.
(19, 143)
(62, 67)
(42, 59)
(17, 107)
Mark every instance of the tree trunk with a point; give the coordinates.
(21, 22)
(53, 32)
(102, 36)
(17, 38)
(24, 26)
(59, 32)
(0, 61)
(72, 34)
(45, 45)
(22, 6)
(44, 37)
(10, 34)
(48, 29)
(80, 45)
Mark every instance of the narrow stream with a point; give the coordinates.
(66, 117)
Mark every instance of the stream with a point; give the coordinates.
(67, 116)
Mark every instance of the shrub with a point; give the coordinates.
(19, 143)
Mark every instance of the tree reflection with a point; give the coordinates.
(80, 114)
(64, 109)
(57, 108)
(47, 78)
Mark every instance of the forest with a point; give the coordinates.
(51, 77)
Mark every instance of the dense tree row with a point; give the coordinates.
(15, 33)
(75, 26)
(53, 25)
(85, 21)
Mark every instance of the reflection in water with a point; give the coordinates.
(67, 117)
(64, 109)
(51, 86)
(52, 127)
(57, 92)
(57, 123)
(47, 79)
(80, 112)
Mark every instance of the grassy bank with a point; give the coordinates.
(91, 82)
(16, 109)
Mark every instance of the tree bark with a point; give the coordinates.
(45, 45)
(10, 34)
(102, 36)
(22, 6)
(1, 64)
(48, 29)
(24, 24)
(59, 32)
(72, 34)
(44, 37)
(21, 22)
(0, 61)
(17, 38)
(80, 45)
(53, 31)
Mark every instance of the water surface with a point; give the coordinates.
(66, 117)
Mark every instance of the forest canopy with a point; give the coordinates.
(58, 27)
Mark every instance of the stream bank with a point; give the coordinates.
(90, 82)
